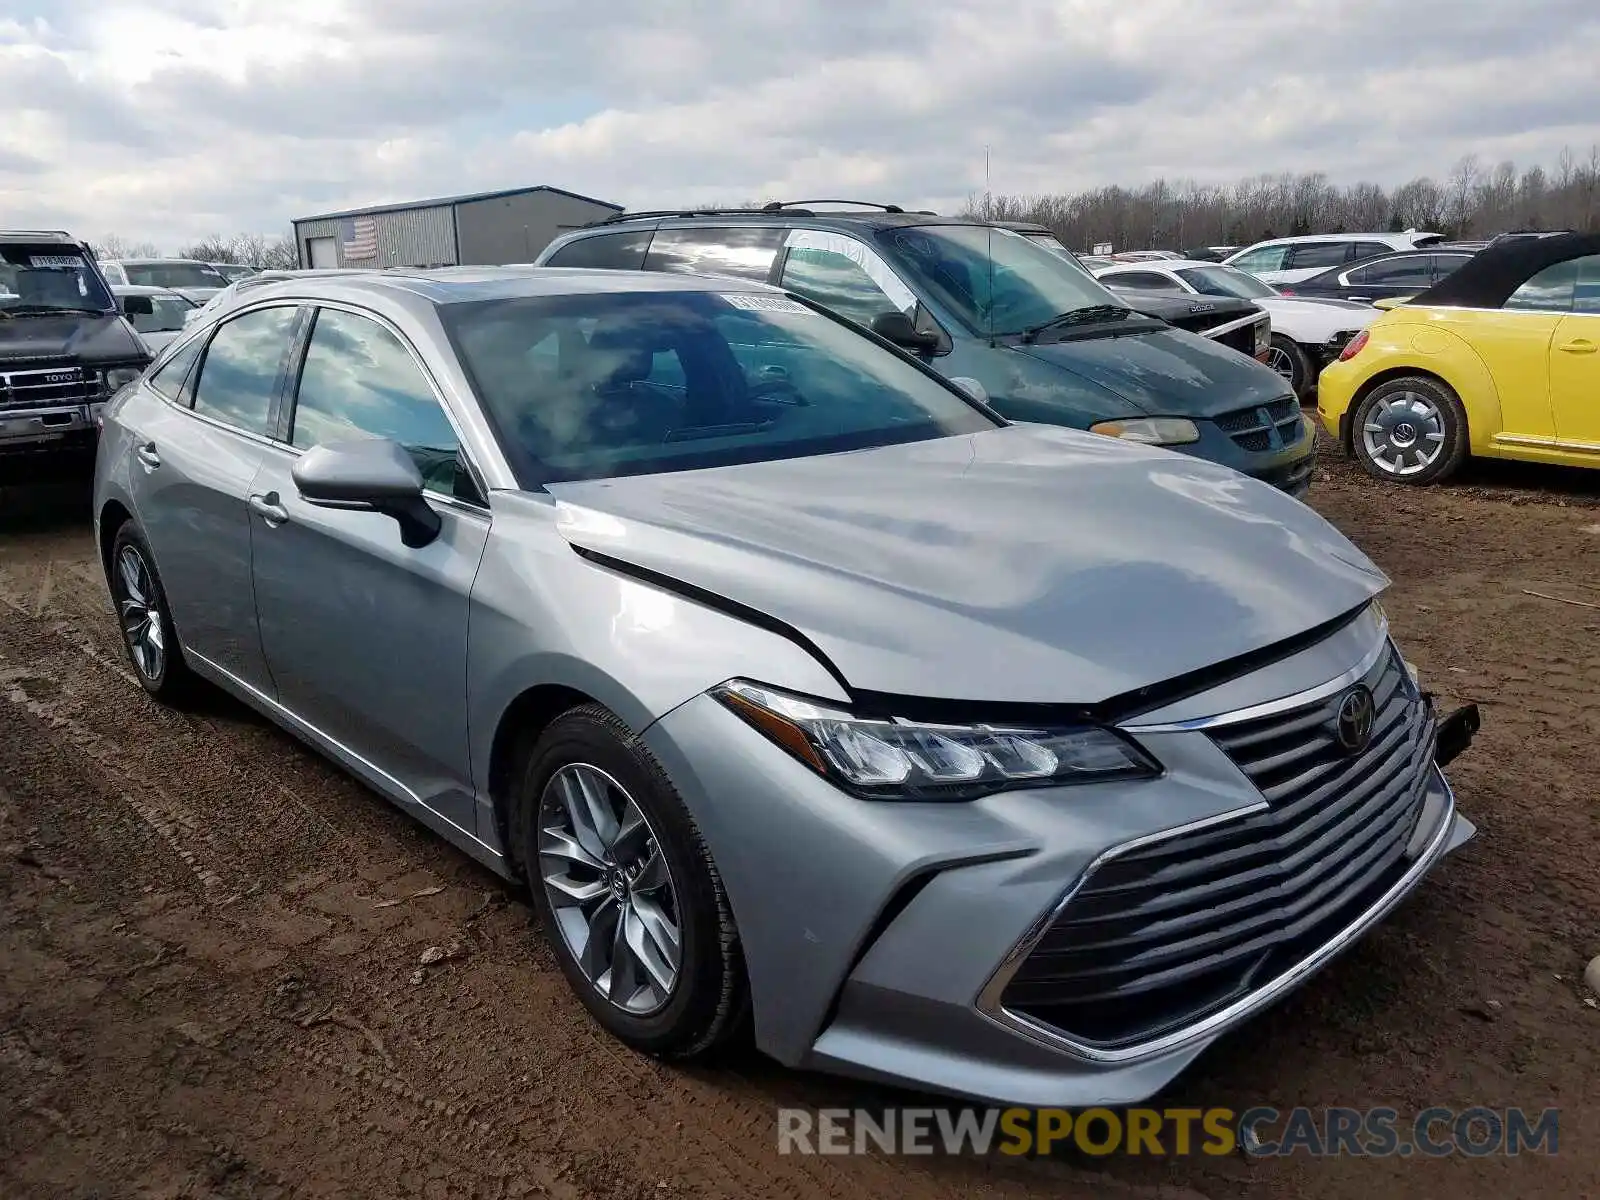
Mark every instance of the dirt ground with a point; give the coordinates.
(205, 990)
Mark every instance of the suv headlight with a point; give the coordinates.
(911, 760)
(1152, 431)
(114, 379)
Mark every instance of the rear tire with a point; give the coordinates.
(626, 889)
(1293, 364)
(1410, 430)
(145, 620)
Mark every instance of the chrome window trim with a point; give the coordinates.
(989, 1000)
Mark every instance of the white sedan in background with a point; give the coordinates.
(1307, 333)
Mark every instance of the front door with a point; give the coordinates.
(1575, 361)
(367, 639)
(199, 441)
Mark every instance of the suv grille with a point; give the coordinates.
(38, 384)
(1167, 933)
(1264, 427)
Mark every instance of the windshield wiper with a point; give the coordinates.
(45, 310)
(1080, 316)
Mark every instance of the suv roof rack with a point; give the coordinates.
(792, 208)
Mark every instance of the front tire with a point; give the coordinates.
(629, 896)
(1292, 363)
(143, 616)
(1411, 430)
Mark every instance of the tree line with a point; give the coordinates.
(247, 249)
(1474, 201)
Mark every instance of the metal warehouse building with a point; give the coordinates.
(484, 228)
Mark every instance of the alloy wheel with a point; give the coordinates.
(1278, 359)
(140, 614)
(610, 889)
(1403, 433)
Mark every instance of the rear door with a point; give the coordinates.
(367, 639)
(1404, 276)
(1575, 363)
(199, 439)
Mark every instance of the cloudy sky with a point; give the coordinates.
(170, 119)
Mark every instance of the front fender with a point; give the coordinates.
(1414, 347)
(542, 615)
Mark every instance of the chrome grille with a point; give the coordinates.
(1165, 934)
(41, 385)
(1264, 426)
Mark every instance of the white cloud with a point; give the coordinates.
(167, 119)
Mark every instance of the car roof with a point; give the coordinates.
(1168, 264)
(889, 217)
(441, 286)
(143, 289)
(1489, 278)
(142, 262)
(1389, 239)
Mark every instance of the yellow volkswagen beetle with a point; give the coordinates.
(1501, 359)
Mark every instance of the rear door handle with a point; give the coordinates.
(269, 509)
(146, 453)
(1578, 346)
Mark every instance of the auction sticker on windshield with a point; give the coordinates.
(754, 303)
(55, 260)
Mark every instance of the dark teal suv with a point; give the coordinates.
(1001, 316)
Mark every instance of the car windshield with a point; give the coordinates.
(173, 275)
(1226, 281)
(233, 271)
(48, 278)
(166, 316)
(596, 386)
(997, 281)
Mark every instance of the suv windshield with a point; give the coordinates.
(595, 386)
(1226, 281)
(173, 275)
(48, 278)
(995, 280)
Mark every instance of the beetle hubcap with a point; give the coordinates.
(1403, 433)
(609, 886)
(141, 619)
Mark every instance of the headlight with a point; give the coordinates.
(1152, 431)
(1263, 336)
(114, 379)
(908, 760)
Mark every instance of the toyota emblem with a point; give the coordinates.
(1357, 712)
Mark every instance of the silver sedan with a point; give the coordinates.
(1004, 760)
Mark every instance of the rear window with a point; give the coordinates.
(173, 275)
(598, 386)
(608, 251)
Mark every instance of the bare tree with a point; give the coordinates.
(115, 246)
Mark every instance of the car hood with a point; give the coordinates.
(79, 336)
(1316, 320)
(1027, 564)
(1166, 372)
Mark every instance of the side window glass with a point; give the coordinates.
(1142, 280)
(359, 380)
(837, 283)
(1551, 289)
(1586, 297)
(239, 375)
(1360, 250)
(172, 379)
(1397, 272)
(612, 251)
(745, 253)
(1268, 258)
(1317, 255)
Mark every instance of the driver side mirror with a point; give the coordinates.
(896, 327)
(138, 306)
(369, 475)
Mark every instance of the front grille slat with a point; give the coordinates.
(1161, 936)
(1263, 426)
(35, 384)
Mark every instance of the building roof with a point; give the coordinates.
(442, 201)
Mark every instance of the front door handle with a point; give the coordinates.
(146, 454)
(269, 509)
(1578, 346)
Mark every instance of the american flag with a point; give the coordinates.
(358, 237)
